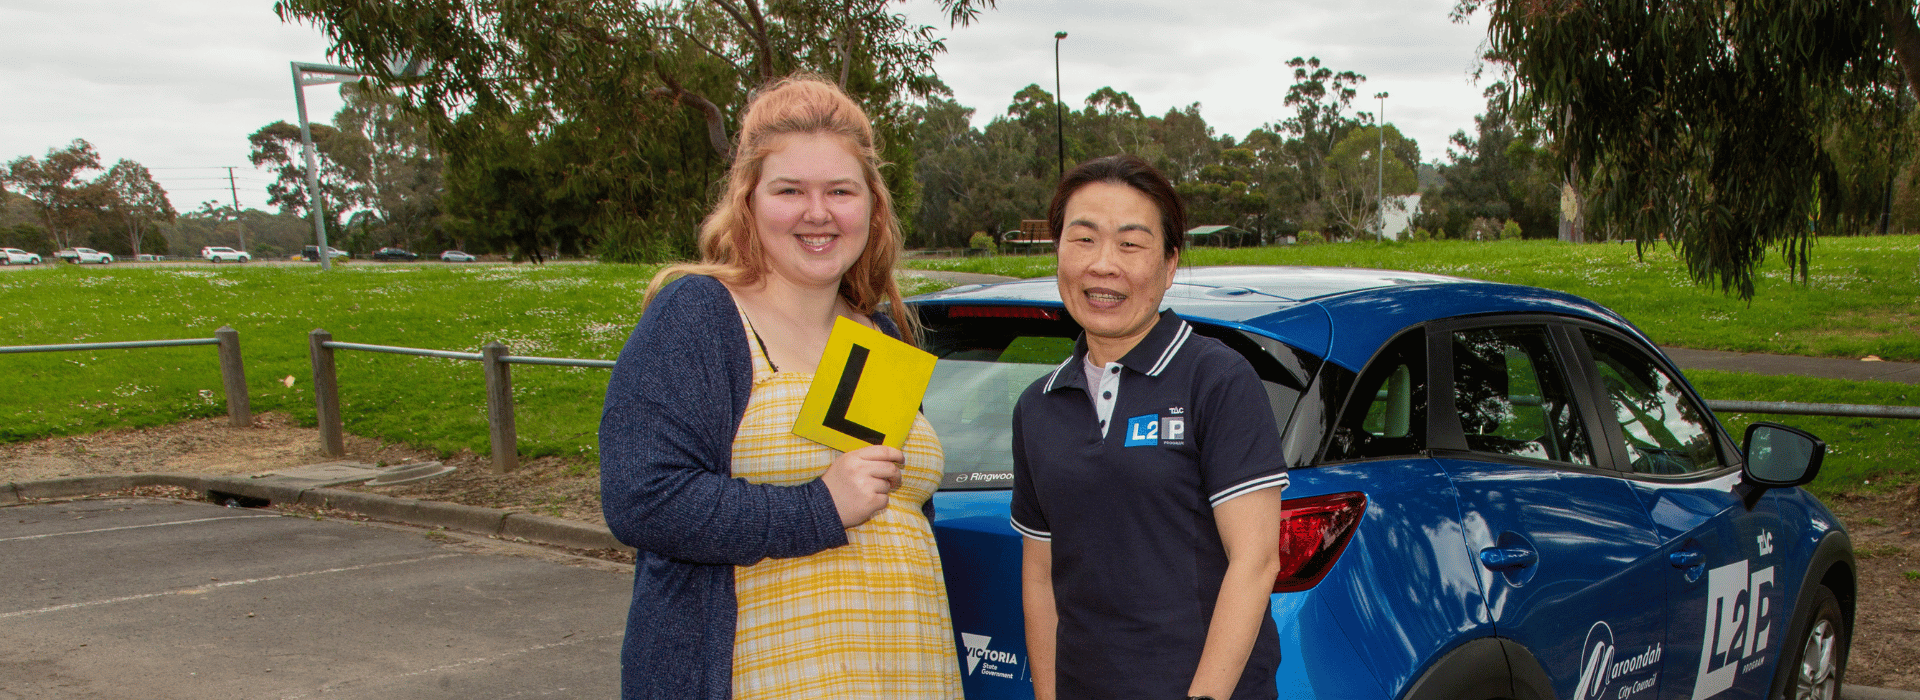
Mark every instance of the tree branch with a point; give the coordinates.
(756, 28)
(1905, 34)
(716, 122)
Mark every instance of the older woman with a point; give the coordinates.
(1147, 471)
(771, 566)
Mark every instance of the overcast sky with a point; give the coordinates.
(177, 85)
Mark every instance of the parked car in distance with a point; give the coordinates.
(392, 253)
(149, 257)
(455, 256)
(66, 254)
(1496, 491)
(222, 253)
(16, 256)
(312, 253)
(89, 255)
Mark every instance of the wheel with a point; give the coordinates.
(1816, 661)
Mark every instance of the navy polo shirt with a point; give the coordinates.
(1128, 508)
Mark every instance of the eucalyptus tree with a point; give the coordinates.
(277, 146)
(1708, 121)
(389, 154)
(625, 84)
(58, 185)
(1504, 170)
(1358, 175)
(138, 201)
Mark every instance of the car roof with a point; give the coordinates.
(1341, 314)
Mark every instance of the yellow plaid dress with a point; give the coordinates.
(866, 620)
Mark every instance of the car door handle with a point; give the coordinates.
(1686, 559)
(1503, 558)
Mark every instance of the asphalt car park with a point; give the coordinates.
(146, 598)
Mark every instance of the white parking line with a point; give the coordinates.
(223, 584)
(134, 527)
(461, 663)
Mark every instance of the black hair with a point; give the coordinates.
(1133, 172)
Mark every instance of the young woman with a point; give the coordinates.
(1147, 471)
(771, 566)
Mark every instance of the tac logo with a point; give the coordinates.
(983, 658)
(1738, 625)
(1153, 429)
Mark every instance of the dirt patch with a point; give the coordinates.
(1885, 527)
(1886, 541)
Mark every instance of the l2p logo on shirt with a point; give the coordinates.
(1143, 430)
(1150, 429)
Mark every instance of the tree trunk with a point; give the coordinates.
(716, 122)
(1905, 34)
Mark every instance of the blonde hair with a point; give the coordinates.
(730, 247)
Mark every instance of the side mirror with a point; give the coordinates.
(1779, 456)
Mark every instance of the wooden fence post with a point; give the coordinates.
(326, 394)
(506, 456)
(233, 375)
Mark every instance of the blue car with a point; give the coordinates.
(1497, 492)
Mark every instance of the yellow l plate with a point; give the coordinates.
(866, 391)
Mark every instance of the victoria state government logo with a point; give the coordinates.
(982, 658)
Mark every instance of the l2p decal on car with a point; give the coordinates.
(1600, 667)
(1738, 625)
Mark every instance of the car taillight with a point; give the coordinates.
(1003, 312)
(1313, 535)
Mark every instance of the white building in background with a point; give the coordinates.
(1399, 219)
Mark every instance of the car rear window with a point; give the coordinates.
(989, 355)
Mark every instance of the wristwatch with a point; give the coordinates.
(1199, 697)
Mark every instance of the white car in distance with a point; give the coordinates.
(16, 256)
(456, 256)
(89, 255)
(221, 253)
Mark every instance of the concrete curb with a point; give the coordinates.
(492, 522)
(1859, 692)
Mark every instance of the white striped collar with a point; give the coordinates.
(1151, 356)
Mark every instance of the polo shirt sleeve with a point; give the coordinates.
(1027, 519)
(1238, 440)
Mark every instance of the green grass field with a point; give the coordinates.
(1862, 301)
(1862, 297)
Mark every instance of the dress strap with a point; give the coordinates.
(762, 344)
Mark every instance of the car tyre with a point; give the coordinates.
(1815, 662)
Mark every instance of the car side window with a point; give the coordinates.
(1386, 415)
(1512, 397)
(1666, 432)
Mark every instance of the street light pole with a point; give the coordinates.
(1059, 114)
(1379, 174)
(404, 68)
(317, 207)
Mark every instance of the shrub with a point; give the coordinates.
(982, 240)
(1309, 238)
(1511, 231)
(1482, 229)
(1421, 234)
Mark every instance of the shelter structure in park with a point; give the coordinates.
(1220, 236)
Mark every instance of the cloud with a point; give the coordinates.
(1228, 55)
(176, 85)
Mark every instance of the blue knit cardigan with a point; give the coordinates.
(676, 399)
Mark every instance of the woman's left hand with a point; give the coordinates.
(860, 481)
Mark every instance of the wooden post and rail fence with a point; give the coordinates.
(497, 362)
